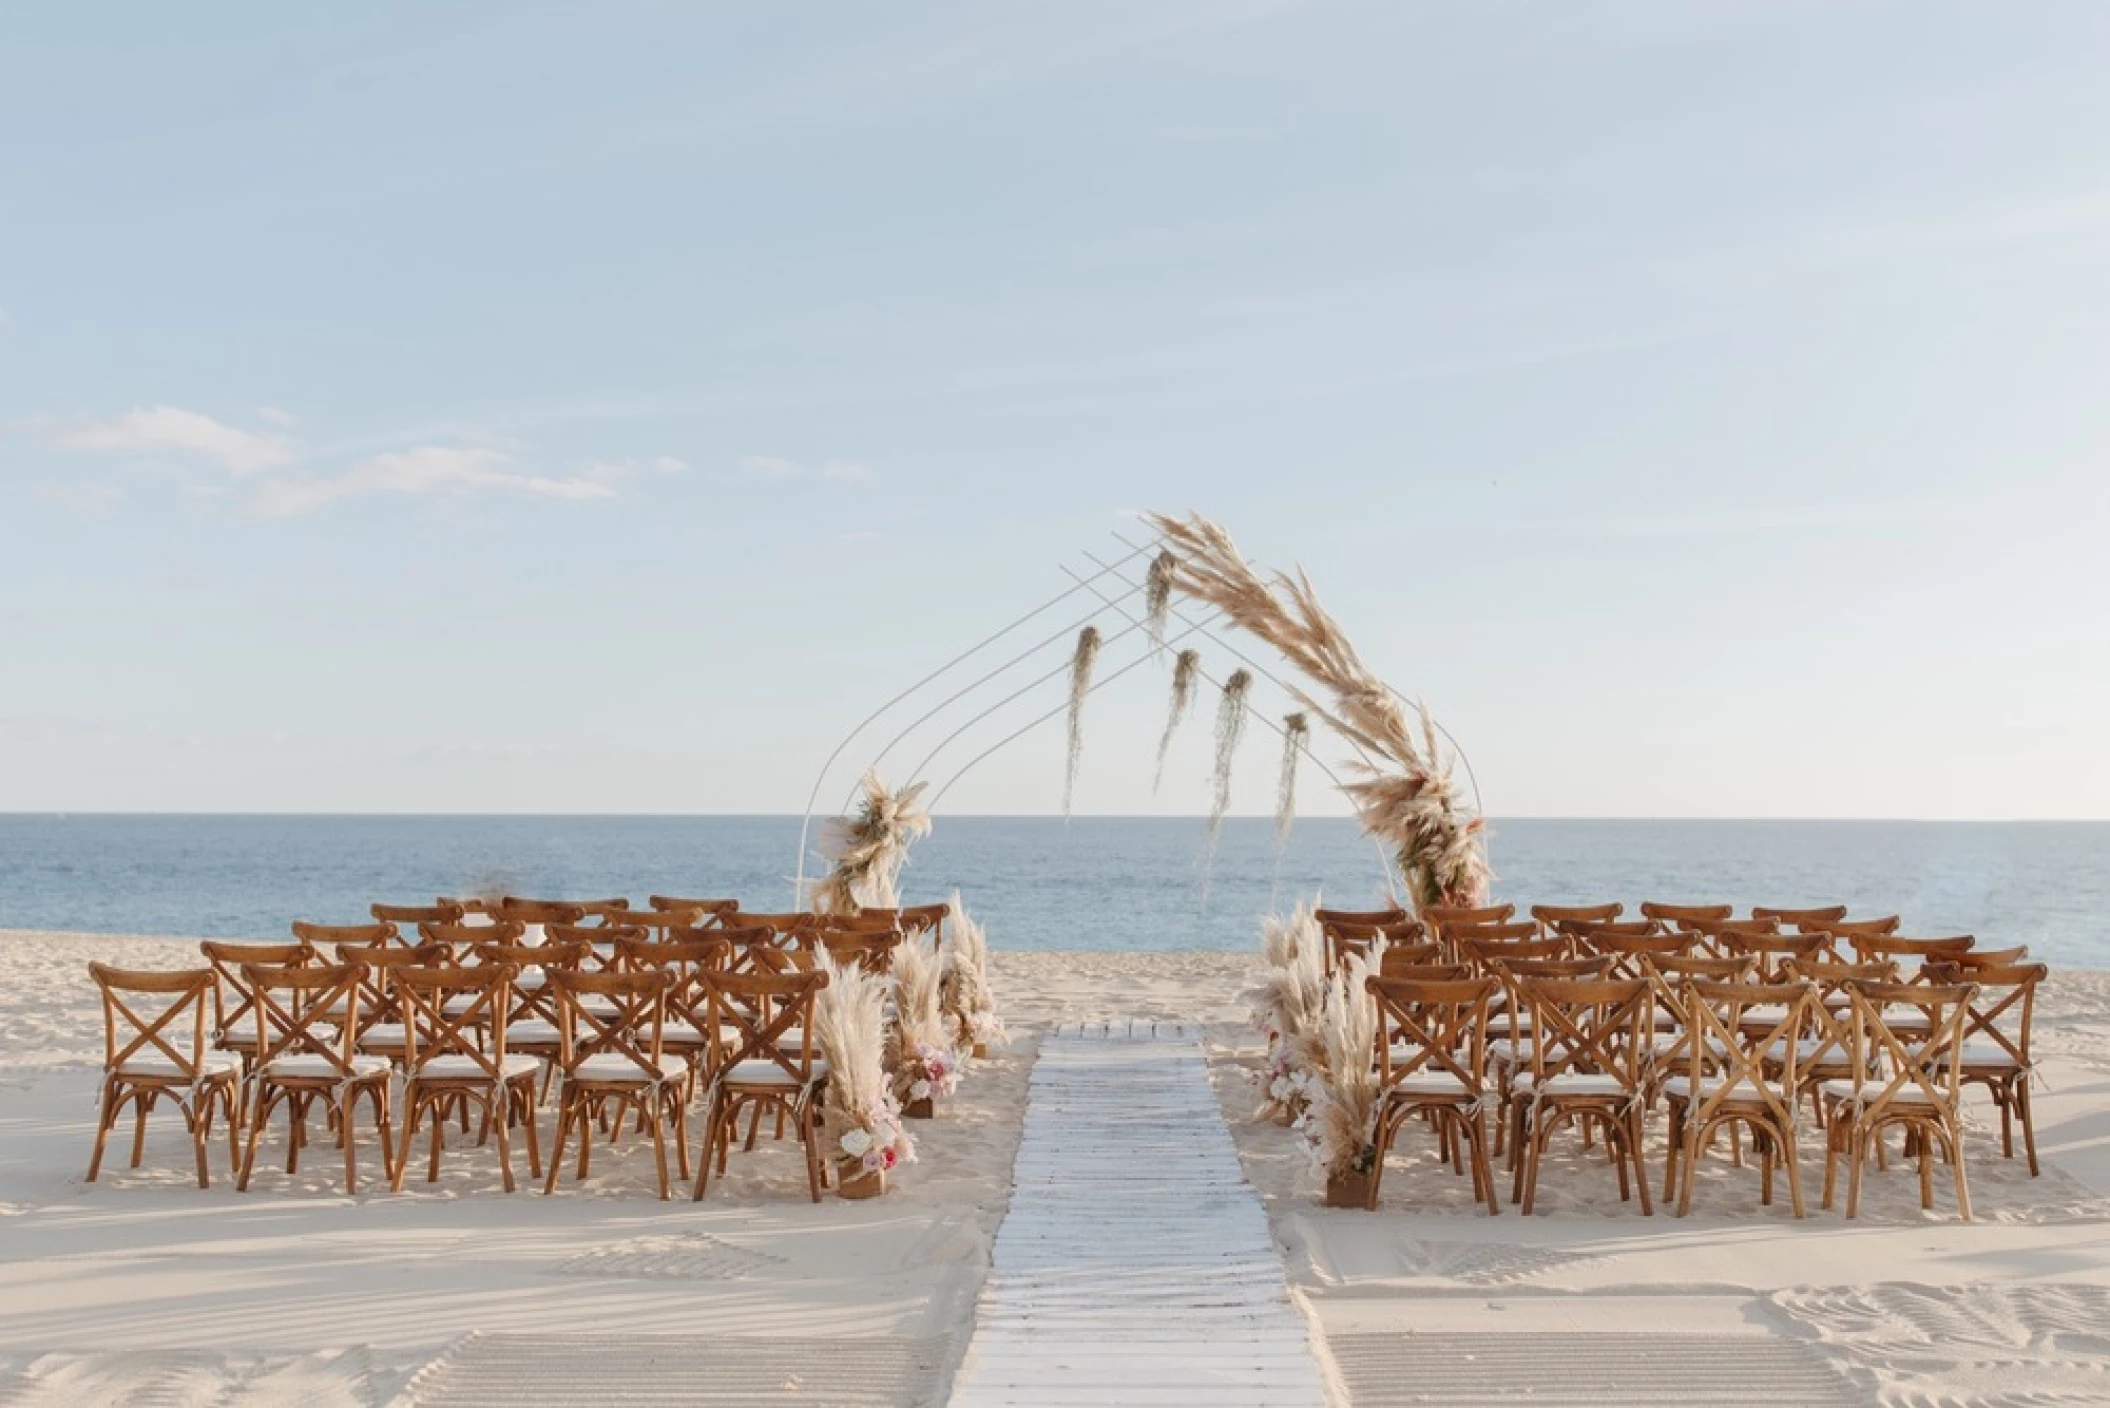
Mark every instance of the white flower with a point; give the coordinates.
(920, 1090)
(855, 1142)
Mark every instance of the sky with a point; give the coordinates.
(604, 408)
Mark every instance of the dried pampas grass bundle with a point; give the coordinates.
(965, 995)
(1286, 998)
(1341, 1125)
(1081, 662)
(1296, 730)
(1230, 728)
(1157, 598)
(867, 851)
(1405, 795)
(858, 1104)
(927, 1065)
(1186, 669)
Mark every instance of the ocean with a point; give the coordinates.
(1104, 883)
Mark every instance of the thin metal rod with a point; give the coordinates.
(806, 822)
(1384, 860)
(1055, 712)
(1472, 779)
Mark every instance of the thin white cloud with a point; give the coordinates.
(769, 466)
(276, 416)
(847, 471)
(667, 464)
(91, 499)
(432, 471)
(171, 430)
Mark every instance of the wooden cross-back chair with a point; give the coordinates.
(155, 1048)
(1630, 953)
(616, 1065)
(1915, 951)
(761, 948)
(1737, 1074)
(1816, 917)
(461, 939)
(715, 912)
(686, 1030)
(1581, 931)
(1772, 951)
(1512, 1025)
(1390, 915)
(1848, 928)
(364, 935)
(1345, 940)
(925, 919)
(764, 1060)
(1682, 915)
(456, 1058)
(530, 1015)
(545, 912)
(1405, 963)
(875, 921)
(1713, 934)
(1588, 1063)
(1550, 916)
(1668, 974)
(1826, 1049)
(1901, 1078)
(596, 943)
(409, 916)
(381, 1028)
(1447, 915)
(233, 1004)
(871, 950)
(1432, 1061)
(307, 1022)
(1996, 1038)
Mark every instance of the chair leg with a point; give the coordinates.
(1791, 1157)
(659, 1146)
(556, 1153)
(351, 1153)
(713, 1113)
(139, 1128)
(1953, 1133)
(1631, 1123)
(503, 1128)
(809, 1135)
(2029, 1127)
(1860, 1138)
(524, 1097)
(105, 1118)
(1476, 1130)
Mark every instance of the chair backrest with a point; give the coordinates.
(1629, 952)
(1712, 933)
(1323, 917)
(160, 1012)
(628, 1019)
(1438, 1027)
(759, 948)
(305, 1011)
(1684, 914)
(1869, 947)
(1485, 951)
(1345, 940)
(1668, 973)
(1729, 1056)
(687, 959)
(445, 912)
(1422, 970)
(1815, 918)
(377, 964)
(2002, 1010)
(803, 921)
(455, 1011)
(1589, 1026)
(1971, 959)
(1772, 950)
(1915, 1062)
(525, 911)
(461, 938)
(880, 921)
(659, 925)
(870, 950)
(925, 919)
(595, 942)
(233, 1004)
(1550, 915)
(714, 911)
(1445, 916)
(529, 997)
(1583, 929)
(320, 934)
(1847, 928)
(752, 1014)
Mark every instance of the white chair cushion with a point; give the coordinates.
(682, 1034)
(769, 1073)
(212, 1066)
(537, 1033)
(1573, 1083)
(1986, 1055)
(385, 1035)
(456, 1067)
(312, 1067)
(1869, 1090)
(1430, 1083)
(615, 1066)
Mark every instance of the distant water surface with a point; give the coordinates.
(1040, 883)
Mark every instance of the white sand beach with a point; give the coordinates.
(143, 1288)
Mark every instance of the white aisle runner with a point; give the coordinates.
(1135, 1265)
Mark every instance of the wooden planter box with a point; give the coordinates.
(852, 1181)
(923, 1109)
(1349, 1191)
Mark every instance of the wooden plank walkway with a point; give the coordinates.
(1135, 1266)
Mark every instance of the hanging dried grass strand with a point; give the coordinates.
(1081, 662)
(1296, 730)
(1230, 728)
(1157, 598)
(1186, 669)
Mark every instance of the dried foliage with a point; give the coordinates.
(1081, 662)
(1157, 598)
(857, 1104)
(1286, 997)
(1186, 669)
(866, 851)
(926, 1065)
(1230, 728)
(1341, 1124)
(1405, 795)
(964, 991)
(1296, 731)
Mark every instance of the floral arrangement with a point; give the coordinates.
(963, 988)
(868, 850)
(1340, 1123)
(926, 1065)
(858, 1107)
(1405, 795)
(1286, 998)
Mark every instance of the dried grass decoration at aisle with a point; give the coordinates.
(1286, 998)
(1296, 730)
(1186, 669)
(868, 850)
(925, 1064)
(1081, 662)
(964, 993)
(858, 1109)
(1405, 795)
(1340, 1127)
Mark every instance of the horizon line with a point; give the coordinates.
(61, 814)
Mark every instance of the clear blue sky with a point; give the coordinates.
(600, 407)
